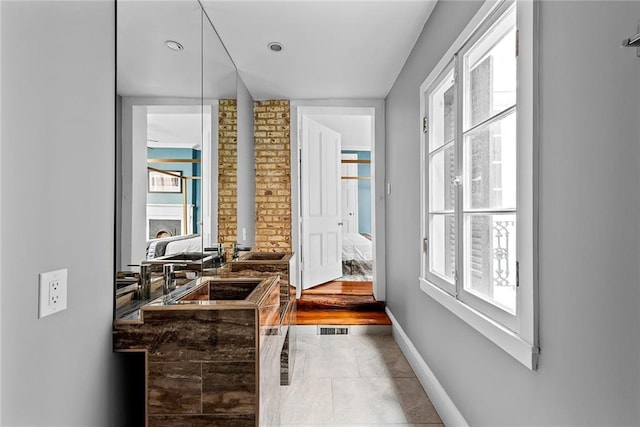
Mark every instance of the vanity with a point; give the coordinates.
(218, 348)
(265, 264)
(213, 351)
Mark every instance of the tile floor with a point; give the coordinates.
(354, 380)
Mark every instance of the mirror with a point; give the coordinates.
(173, 76)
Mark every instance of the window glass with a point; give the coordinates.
(490, 258)
(443, 243)
(442, 189)
(472, 245)
(490, 165)
(490, 73)
(442, 113)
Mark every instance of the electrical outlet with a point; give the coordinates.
(53, 292)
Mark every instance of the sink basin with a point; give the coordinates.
(264, 256)
(192, 260)
(185, 256)
(222, 290)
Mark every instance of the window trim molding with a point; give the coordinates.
(522, 344)
(509, 341)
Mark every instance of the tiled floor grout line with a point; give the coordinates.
(377, 360)
(333, 406)
(355, 357)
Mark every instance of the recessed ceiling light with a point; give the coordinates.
(275, 46)
(174, 45)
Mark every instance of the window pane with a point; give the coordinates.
(490, 165)
(441, 114)
(490, 73)
(490, 258)
(442, 247)
(442, 190)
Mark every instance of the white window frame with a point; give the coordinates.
(434, 278)
(519, 337)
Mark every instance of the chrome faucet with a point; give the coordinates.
(144, 290)
(169, 272)
(144, 281)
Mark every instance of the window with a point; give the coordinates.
(478, 158)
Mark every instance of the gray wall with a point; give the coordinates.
(1, 182)
(589, 371)
(57, 197)
(246, 167)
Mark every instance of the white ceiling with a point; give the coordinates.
(175, 129)
(332, 49)
(147, 68)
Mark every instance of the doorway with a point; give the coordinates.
(350, 207)
(352, 199)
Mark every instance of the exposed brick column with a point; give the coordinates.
(227, 173)
(273, 176)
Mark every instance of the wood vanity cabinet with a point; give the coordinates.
(265, 264)
(211, 362)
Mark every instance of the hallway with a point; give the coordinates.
(354, 380)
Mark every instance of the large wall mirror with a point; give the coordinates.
(173, 76)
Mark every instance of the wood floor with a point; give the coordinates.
(341, 303)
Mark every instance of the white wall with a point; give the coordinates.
(57, 195)
(246, 167)
(1, 180)
(589, 371)
(354, 130)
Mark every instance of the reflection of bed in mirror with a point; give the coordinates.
(157, 248)
(357, 257)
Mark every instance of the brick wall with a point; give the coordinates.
(227, 173)
(273, 176)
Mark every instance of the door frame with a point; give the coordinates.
(353, 183)
(374, 109)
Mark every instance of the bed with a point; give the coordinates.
(173, 245)
(357, 256)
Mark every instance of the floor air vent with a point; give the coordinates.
(323, 330)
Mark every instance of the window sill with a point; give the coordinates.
(504, 338)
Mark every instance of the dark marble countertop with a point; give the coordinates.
(198, 294)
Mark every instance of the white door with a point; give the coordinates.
(350, 195)
(320, 201)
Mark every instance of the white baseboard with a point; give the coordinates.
(447, 410)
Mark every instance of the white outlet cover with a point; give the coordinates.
(52, 299)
